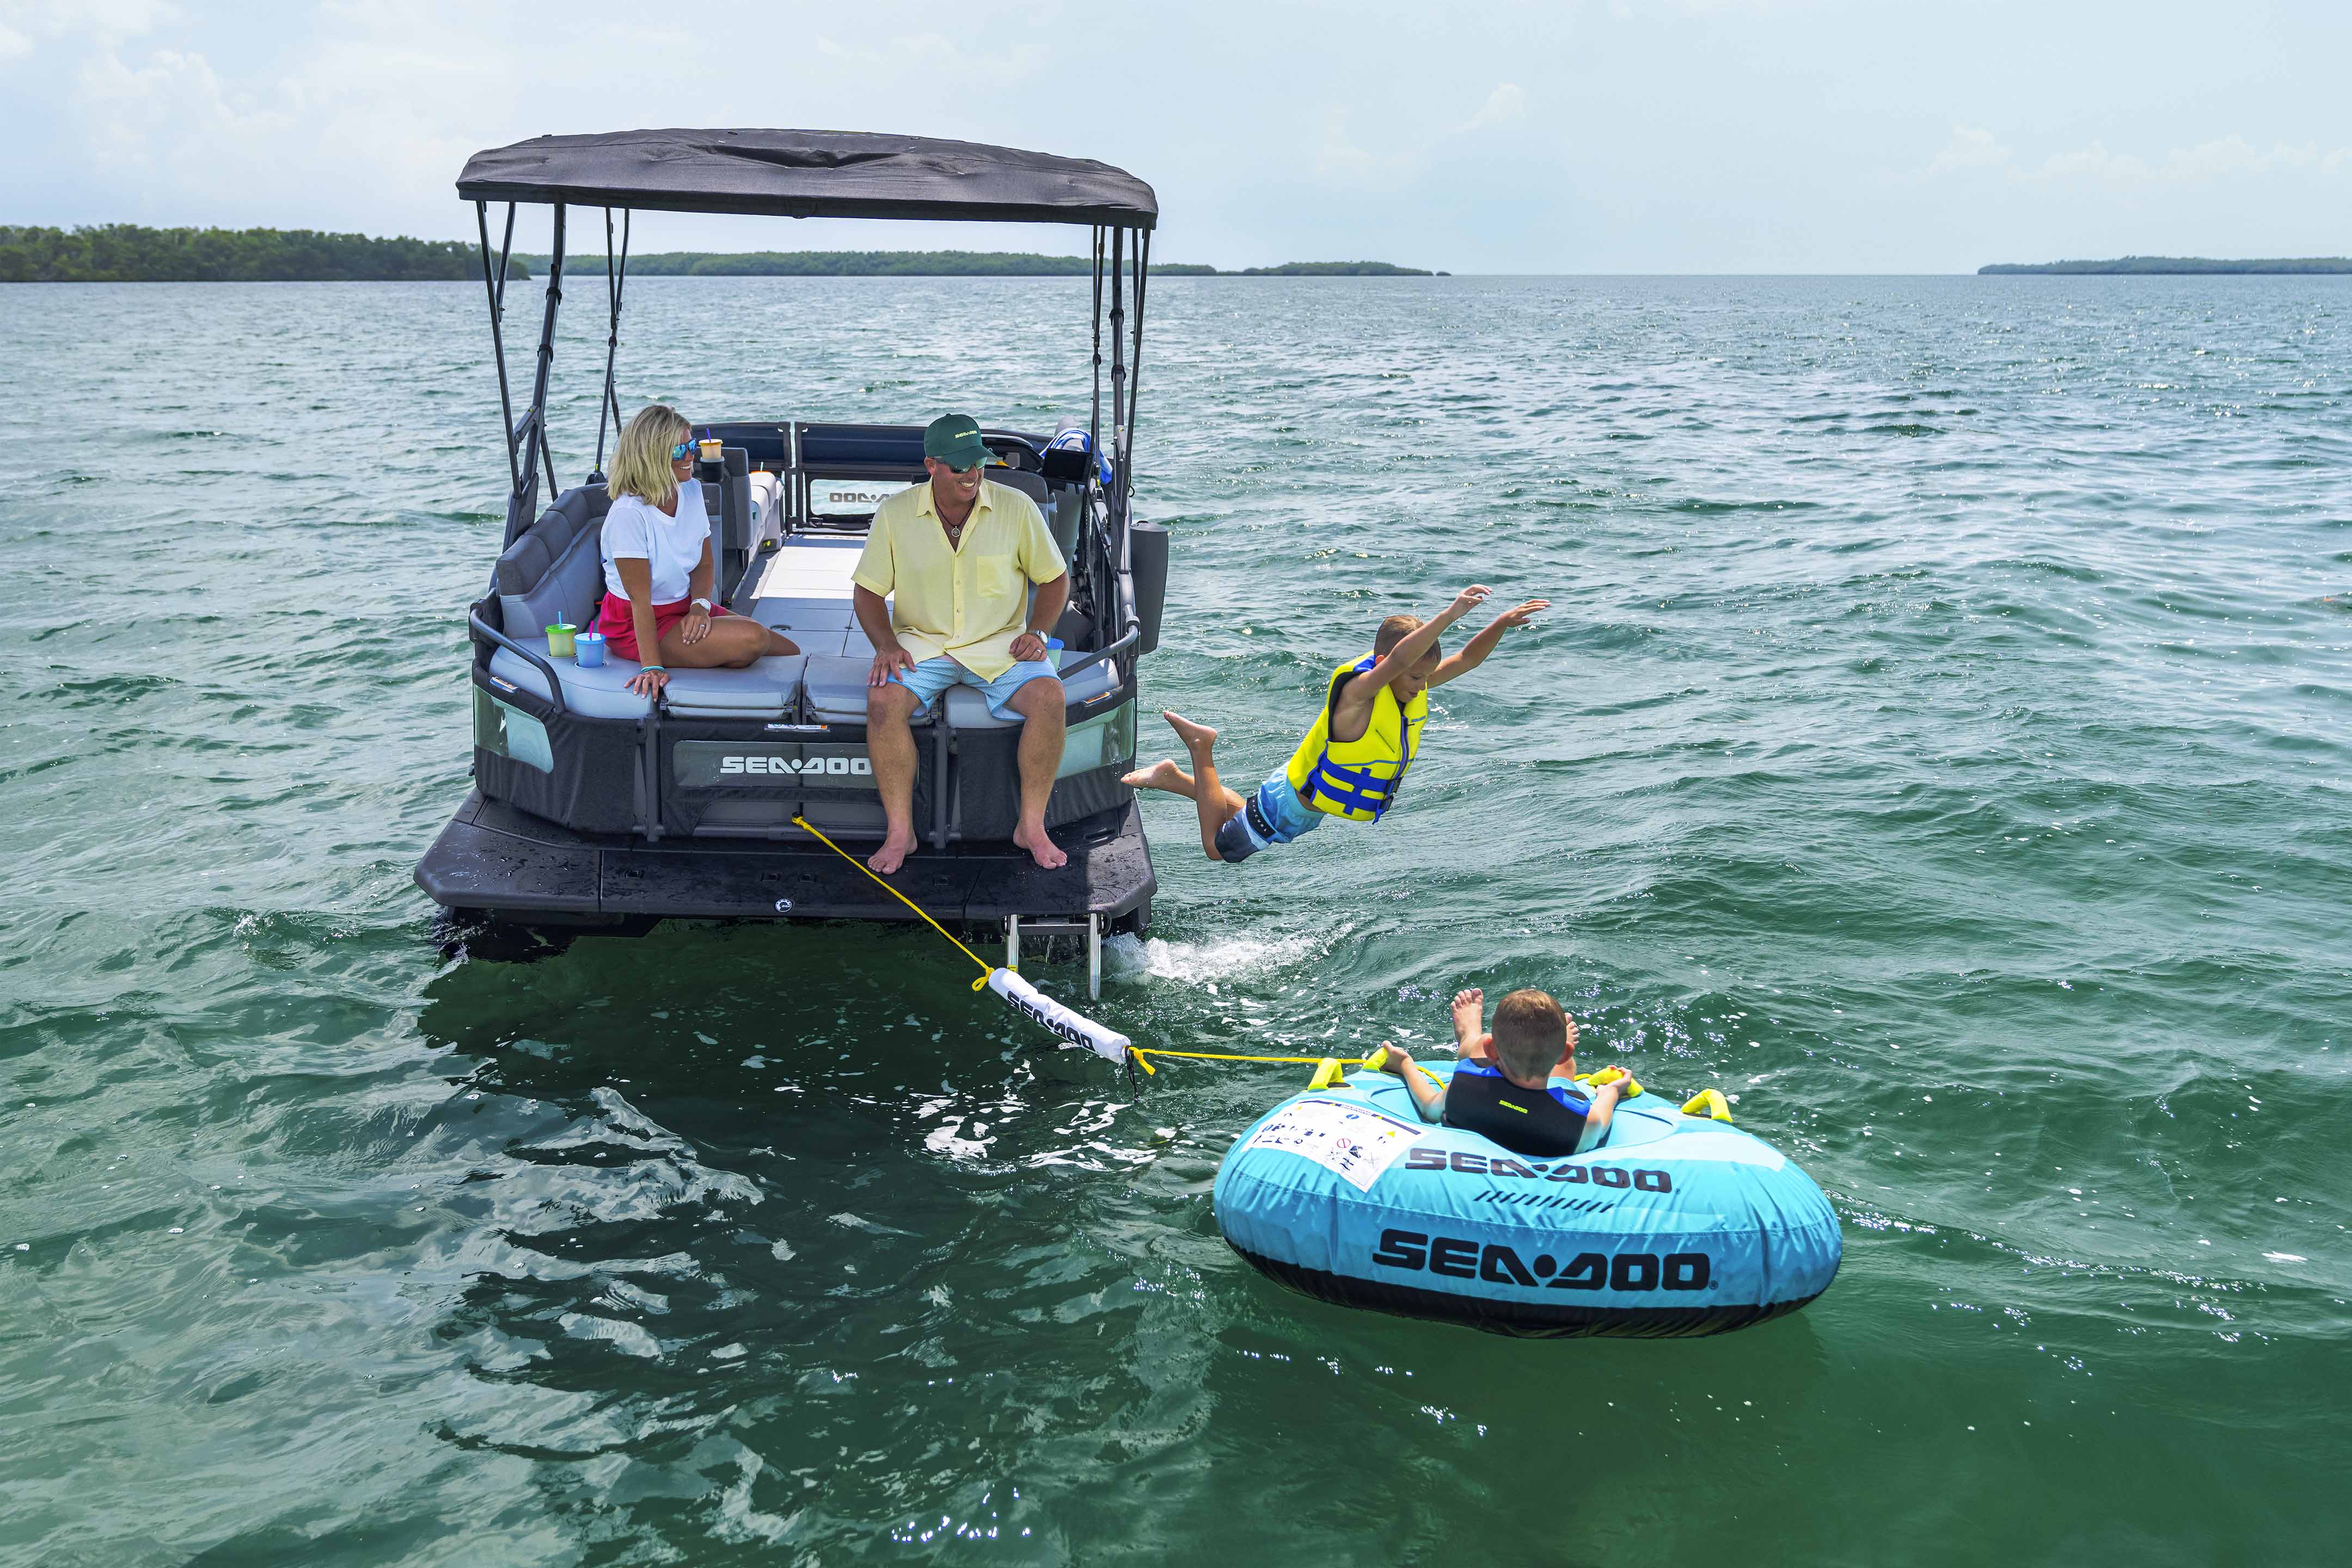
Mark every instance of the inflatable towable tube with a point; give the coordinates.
(1676, 1226)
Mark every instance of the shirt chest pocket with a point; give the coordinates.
(996, 576)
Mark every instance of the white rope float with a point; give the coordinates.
(1074, 1027)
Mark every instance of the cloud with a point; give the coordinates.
(91, 23)
(1337, 156)
(2095, 165)
(1505, 102)
(1971, 147)
(163, 114)
(2234, 156)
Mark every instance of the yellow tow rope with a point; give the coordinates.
(1328, 1069)
(986, 968)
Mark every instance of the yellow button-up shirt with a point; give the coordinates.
(968, 603)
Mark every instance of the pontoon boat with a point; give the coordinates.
(595, 808)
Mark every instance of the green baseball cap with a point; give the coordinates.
(954, 439)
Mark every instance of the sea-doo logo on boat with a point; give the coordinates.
(838, 766)
(1497, 1264)
(848, 497)
(790, 764)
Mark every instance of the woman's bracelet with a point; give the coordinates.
(653, 669)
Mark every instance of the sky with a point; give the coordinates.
(1610, 136)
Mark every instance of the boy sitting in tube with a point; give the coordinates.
(1355, 755)
(1517, 1086)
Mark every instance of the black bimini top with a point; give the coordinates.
(809, 174)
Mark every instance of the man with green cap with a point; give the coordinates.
(956, 559)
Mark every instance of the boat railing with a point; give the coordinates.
(491, 633)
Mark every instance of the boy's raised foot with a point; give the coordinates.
(1161, 774)
(1196, 737)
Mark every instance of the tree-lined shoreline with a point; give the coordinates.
(132, 253)
(2167, 266)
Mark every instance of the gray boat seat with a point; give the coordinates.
(835, 688)
(968, 710)
(766, 690)
(556, 570)
(1021, 480)
(1082, 682)
(1062, 520)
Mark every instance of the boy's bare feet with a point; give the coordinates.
(1196, 737)
(1469, 1014)
(1161, 774)
(893, 854)
(1042, 848)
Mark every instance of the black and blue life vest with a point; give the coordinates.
(1543, 1123)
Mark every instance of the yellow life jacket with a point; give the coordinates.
(1358, 779)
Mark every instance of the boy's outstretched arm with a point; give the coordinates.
(1597, 1119)
(1354, 710)
(1428, 1094)
(1474, 653)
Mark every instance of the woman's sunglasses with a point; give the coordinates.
(681, 452)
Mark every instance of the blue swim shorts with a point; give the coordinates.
(1274, 815)
(933, 675)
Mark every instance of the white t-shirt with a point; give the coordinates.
(635, 530)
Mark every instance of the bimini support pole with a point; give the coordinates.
(1134, 396)
(1093, 418)
(1117, 379)
(496, 286)
(522, 506)
(614, 280)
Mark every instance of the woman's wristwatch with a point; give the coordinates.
(703, 605)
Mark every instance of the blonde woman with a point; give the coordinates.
(657, 547)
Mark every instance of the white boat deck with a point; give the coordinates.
(804, 592)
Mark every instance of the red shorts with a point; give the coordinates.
(620, 628)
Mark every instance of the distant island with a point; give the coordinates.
(941, 264)
(2167, 264)
(128, 253)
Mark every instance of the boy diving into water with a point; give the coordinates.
(1355, 755)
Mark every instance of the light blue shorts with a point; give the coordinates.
(1274, 815)
(933, 675)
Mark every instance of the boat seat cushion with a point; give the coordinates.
(1082, 682)
(556, 568)
(836, 688)
(766, 690)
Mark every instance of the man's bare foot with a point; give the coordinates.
(1469, 1014)
(1196, 737)
(893, 854)
(1041, 848)
(1161, 774)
